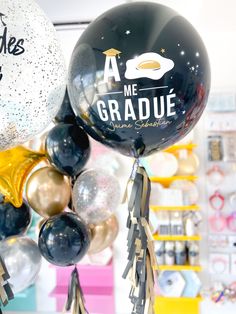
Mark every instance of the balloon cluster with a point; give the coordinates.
(76, 204)
(139, 80)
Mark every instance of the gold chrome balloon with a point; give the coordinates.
(15, 166)
(188, 165)
(103, 234)
(48, 191)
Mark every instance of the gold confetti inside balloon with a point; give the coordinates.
(15, 166)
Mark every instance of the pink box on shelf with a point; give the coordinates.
(97, 283)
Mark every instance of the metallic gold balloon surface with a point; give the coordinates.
(48, 191)
(188, 165)
(103, 234)
(15, 166)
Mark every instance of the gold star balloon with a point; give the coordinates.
(15, 166)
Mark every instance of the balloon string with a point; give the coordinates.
(135, 168)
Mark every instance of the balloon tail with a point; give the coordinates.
(142, 264)
(6, 293)
(75, 299)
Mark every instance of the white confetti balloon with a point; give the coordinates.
(32, 72)
(96, 194)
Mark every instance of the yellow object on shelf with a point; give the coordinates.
(182, 305)
(175, 208)
(166, 181)
(197, 268)
(174, 148)
(176, 238)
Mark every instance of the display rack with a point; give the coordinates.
(166, 181)
(181, 305)
(176, 238)
(179, 267)
(177, 147)
(179, 208)
(167, 305)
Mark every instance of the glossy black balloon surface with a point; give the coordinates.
(14, 221)
(68, 148)
(64, 239)
(66, 113)
(139, 78)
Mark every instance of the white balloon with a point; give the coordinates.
(23, 261)
(32, 72)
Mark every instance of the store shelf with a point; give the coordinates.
(197, 268)
(176, 238)
(174, 148)
(175, 208)
(182, 305)
(166, 181)
(180, 299)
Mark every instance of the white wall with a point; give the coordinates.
(214, 19)
(76, 10)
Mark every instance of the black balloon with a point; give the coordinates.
(14, 221)
(68, 148)
(139, 78)
(64, 239)
(66, 113)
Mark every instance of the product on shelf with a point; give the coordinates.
(180, 253)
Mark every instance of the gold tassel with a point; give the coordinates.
(6, 293)
(142, 263)
(75, 299)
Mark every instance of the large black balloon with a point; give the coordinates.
(64, 239)
(14, 221)
(68, 148)
(139, 78)
(66, 113)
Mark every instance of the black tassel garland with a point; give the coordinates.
(6, 293)
(75, 299)
(141, 267)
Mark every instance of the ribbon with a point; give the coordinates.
(142, 264)
(75, 299)
(6, 293)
